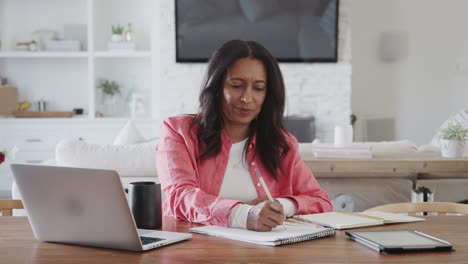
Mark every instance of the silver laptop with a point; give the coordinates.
(83, 207)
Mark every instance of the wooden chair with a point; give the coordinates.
(7, 205)
(430, 207)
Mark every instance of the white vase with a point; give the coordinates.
(452, 148)
(33, 47)
(110, 105)
(116, 38)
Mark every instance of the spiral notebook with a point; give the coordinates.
(276, 237)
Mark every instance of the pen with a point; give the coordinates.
(265, 188)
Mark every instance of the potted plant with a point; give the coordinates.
(33, 46)
(117, 32)
(452, 140)
(109, 87)
(110, 91)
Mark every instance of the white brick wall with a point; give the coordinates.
(319, 89)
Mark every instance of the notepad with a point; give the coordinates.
(347, 220)
(276, 237)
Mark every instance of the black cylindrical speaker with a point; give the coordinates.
(145, 203)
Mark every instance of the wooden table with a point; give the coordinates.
(18, 245)
(390, 166)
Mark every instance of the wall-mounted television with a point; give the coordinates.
(293, 30)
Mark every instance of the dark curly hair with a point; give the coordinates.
(268, 126)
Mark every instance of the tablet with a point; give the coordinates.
(399, 241)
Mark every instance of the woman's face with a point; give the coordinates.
(244, 91)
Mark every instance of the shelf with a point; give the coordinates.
(77, 119)
(122, 54)
(48, 114)
(101, 54)
(32, 55)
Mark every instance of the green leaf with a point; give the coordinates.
(117, 30)
(109, 87)
(454, 131)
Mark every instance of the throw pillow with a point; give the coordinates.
(129, 135)
(255, 10)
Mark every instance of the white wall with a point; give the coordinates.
(422, 89)
(319, 89)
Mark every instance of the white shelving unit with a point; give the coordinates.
(32, 55)
(68, 80)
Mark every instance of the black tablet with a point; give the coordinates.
(399, 241)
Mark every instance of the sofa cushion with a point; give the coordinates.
(137, 160)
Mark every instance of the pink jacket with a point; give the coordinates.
(192, 188)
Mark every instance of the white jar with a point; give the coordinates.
(452, 148)
(116, 38)
(343, 136)
(33, 47)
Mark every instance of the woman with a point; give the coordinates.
(207, 163)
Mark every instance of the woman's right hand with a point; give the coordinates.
(265, 215)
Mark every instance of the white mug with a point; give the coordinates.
(343, 135)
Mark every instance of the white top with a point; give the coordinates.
(237, 182)
(237, 185)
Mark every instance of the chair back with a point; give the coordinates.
(440, 208)
(7, 205)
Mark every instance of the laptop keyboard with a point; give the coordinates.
(149, 240)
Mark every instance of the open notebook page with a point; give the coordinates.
(277, 236)
(340, 220)
(390, 218)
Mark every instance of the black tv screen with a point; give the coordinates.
(292, 30)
